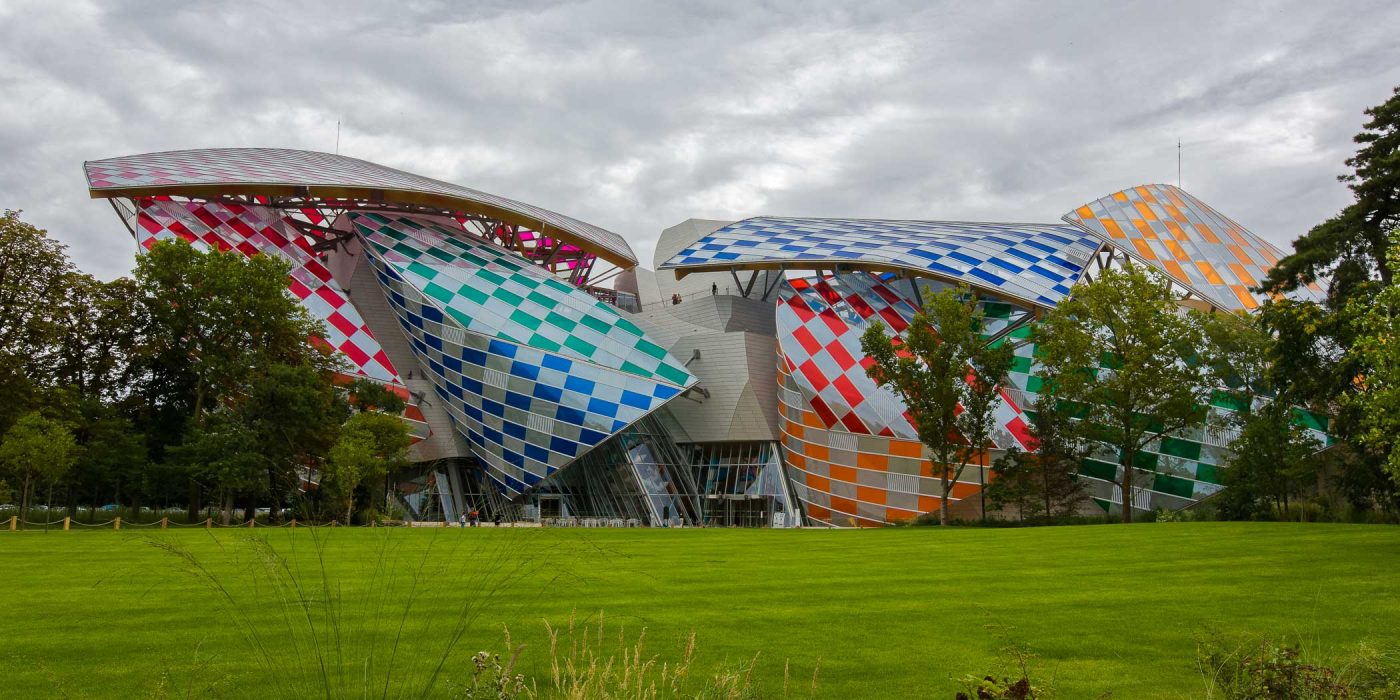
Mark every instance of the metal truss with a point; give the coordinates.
(1109, 257)
(315, 218)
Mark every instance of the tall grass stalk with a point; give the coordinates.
(350, 631)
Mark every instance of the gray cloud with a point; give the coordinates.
(635, 117)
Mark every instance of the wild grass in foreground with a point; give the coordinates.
(336, 654)
(333, 638)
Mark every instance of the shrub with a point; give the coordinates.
(1276, 670)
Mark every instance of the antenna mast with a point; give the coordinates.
(337, 147)
(1178, 161)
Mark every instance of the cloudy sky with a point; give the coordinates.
(635, 117)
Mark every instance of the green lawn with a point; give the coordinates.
(886, 614)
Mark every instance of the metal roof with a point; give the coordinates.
(1032, 263)
(1204, 250)
(284, 172)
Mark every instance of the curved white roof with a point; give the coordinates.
(286, 172)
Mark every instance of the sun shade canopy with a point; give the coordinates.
(1200, 248)
(1033, 263)
(274, 172)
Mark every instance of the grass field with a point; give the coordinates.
(880, 614)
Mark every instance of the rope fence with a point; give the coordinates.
(14, 524)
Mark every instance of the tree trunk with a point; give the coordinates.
(1128, 486)
(349, 508)
(943, 502)
(193, 507)
(24, 500)
(1045, 485)
(982, 485)
(226, 513)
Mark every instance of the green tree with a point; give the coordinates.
(1377, 396)
(1043, 484)
(1350, 248)
(111, 461)
(371, 445)
(1014, 484)
(1270, 463)
(38, 451)
(988, 366)
(221, 332)
(929, 367)
(1317, 361)
(1126, 358)
(98, 332)
(1059, 451)
(369, 395)
(33, 272)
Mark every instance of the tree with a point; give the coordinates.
(111, 460)
(371, 445)
(294, 413)
(929, 368)
(1350, 248)
(38, 451)
(1377, 395)
(218, 326)
(980, 399)
(33, 271)
(1059, 450)
(1126, 358)
(1270, 463)
(1321, 349)
(1043, 484)
(98, 333)
(370, 395)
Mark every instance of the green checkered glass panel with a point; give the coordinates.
(490, 290)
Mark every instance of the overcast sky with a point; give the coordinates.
(635, 118)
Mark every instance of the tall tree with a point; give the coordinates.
(1315, 364)
(33, 270)
(38, 451)
(1059, 451)
(99, 329)
(985, 379)
(1126, 357)
(928, 368)
(1271, 462)
(1350, 248)
(219, 325)
(1377, 396)
(371, 444)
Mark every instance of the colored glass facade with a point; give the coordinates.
(1034, 263)
(1185, 238)
(554, 401)
(533, 372)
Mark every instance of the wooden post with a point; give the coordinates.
(14, 519)
(294, 523)
(251, 521)
(333, 523)
(65, 523)
(208, 523)
(164, 523)
(117, 524)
